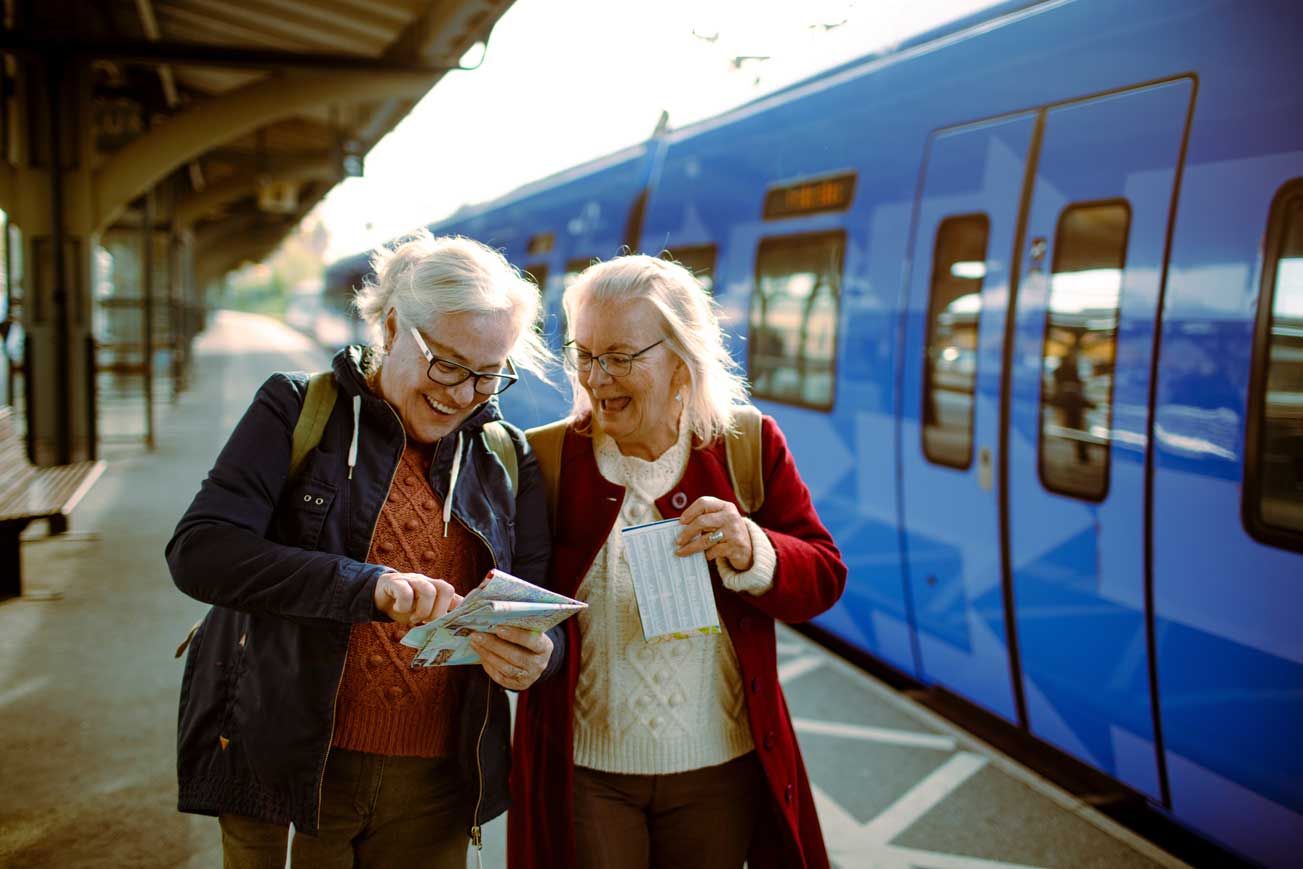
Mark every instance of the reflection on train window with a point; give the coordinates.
(538, 274)
(699, 260)
(1279, 465)
(950, 359)
(1080, 336)
(793, 343)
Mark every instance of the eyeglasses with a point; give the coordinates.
(614, 363)
(445, 372)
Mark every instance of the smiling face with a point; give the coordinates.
(430, 410)
(637, 410)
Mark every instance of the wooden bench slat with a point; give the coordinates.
(27, 492)
(48, 495)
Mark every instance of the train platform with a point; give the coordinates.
(88, 690)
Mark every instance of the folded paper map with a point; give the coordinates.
(675, 600)
(502, 599)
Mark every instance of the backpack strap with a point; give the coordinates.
(547, 441)
(317, 405)
(498, 439)
(745, 467)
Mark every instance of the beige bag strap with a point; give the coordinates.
(499, 440)
(317, 405)
(745, 467)
(547, 441)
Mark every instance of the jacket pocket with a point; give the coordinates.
(306, 505)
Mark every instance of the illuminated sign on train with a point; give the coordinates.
(810, 197)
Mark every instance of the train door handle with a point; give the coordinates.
(985, 476)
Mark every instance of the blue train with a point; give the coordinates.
(1026, 293)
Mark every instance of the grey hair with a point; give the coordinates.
(421, 276)
(690, 320)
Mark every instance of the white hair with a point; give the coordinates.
(421, 277)
(690, 320)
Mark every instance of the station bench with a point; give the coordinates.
(28, 493)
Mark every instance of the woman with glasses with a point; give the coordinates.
(677, 753)
(298, 704)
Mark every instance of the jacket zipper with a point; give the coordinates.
(339, 680)
(477, 838)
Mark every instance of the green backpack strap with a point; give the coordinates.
(745, 467)
(498, 439)
(317, 405)
(547, 441)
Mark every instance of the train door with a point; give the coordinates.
(965, 228)
(1080, 373)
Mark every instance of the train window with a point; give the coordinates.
(540, 243)
(538, 274)
(1077, 357)
(1274, 461)
(791, 354)
(573, 269)
(700, 260)
(950, 360)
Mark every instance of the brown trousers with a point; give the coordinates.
(700, 818)
(375, 811)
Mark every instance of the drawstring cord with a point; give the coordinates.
(352, 447)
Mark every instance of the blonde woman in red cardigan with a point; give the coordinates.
(681, 753)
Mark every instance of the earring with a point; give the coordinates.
(678, 396)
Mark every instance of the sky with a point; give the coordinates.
(565, 81)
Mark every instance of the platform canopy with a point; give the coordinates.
(184, 138)
(241, 114)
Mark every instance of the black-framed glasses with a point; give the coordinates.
(614, 363)
(445, 372)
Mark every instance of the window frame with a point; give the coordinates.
(672, 254)
(927, 341)
(1255, 409)
(1045, 334)
(762, 246)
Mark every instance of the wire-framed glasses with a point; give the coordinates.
(445, 372)
(614, 363)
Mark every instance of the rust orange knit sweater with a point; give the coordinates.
(385, 706)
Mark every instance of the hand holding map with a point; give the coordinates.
(502, 599)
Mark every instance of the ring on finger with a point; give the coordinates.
(715, 536)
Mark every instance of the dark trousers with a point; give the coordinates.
(375, 811)
(704, 817)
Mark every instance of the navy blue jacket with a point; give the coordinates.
(284, 566)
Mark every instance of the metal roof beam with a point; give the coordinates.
(192, 208)
(339, 15)
(200, 54)
(291, 28)
(445, 29)
(142, 163)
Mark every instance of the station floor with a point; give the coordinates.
(88, 688)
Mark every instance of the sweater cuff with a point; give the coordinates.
(764, 562)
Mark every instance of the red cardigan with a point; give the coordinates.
(809, 579)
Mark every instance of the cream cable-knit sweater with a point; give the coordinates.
(663, 707)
